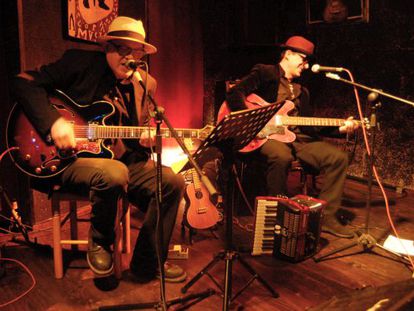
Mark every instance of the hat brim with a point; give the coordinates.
(287, 47)
(148, 48)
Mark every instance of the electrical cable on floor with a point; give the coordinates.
(374, 170)
(2, 305)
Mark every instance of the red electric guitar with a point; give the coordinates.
(39, 158)
(200, 211)
(277, 127)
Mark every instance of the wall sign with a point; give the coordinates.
(89, 19)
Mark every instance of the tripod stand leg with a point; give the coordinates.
(340, 249)
(204, 271)
(192, 298)
(255, 276)
(227, 280)
(400, 256)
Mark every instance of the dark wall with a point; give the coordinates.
(10, 180)
(379, 53)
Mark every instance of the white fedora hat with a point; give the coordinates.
(128, 29)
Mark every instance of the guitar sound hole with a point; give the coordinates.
(199, 195)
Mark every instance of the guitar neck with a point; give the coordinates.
(92, 132)
(309, 121)
(196, 179)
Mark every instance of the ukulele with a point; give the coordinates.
(200, 211)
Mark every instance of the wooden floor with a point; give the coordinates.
(349, 280)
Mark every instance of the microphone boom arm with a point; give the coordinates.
(333, 76)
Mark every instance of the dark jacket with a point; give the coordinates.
(85, 76)
(264, 80)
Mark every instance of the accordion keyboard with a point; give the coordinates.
(265, 222)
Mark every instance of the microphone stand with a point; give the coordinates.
(159, 117)
(365, 239)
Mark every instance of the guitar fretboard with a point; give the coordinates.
(196, 179)
(308, 121)
(124, 132)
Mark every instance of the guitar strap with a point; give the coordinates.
(131, 109)
(126, 114)
(119, 103)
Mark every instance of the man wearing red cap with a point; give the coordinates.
(88, 76)
(277, 83)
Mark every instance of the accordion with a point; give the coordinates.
(288, 228)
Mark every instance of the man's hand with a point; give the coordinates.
(147, 138)
(350, 126)
(63, 134)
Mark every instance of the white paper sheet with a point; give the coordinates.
(401, 246)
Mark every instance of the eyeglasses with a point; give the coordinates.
(304, 57)
(126, 50)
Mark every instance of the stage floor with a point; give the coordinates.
(350, 280)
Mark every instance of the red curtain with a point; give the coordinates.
(174, 28)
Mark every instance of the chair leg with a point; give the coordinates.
(57, 247)
(118, 241)
(126, 227)
(73, 224)
(304, 182)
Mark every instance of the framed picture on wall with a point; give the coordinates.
(336, 11)
(88, 20)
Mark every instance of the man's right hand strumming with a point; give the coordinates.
(63, 134)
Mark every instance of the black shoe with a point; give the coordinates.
(172, 272)
(142, 274)
(333, 226)
(99, 258)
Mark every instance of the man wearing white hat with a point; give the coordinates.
(88, 76)
(278, 83)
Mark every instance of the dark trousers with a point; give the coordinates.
(105, 180)
(320, 155)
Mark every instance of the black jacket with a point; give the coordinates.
(264, 80)
(83, 75)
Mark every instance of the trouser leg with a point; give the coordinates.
(333, 163)
(279, 157)
(104, 180)
(141, 192)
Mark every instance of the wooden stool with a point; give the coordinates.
(122, 230)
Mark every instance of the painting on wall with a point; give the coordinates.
(88, 20)
(336, 11)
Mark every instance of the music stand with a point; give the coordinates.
(231, 134)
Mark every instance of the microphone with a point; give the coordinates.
(318, 68)
(134, 64)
